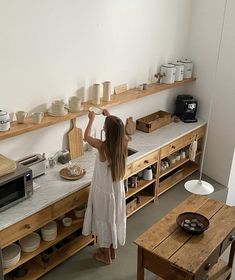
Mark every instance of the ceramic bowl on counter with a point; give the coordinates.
(80, 211)
(67, 221)
(30, 242)
(49, 231)
(11, 255)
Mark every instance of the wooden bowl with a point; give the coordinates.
(65, 173)
(192, 222)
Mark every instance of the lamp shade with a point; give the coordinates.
(199, 187)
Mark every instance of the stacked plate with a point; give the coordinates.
(49, 231)
(11, 255)
(30, 242)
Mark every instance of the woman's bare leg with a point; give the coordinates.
(103, 255)
(112, 252)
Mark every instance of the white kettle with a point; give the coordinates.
(4, 121)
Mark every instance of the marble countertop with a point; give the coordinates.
(53, 187)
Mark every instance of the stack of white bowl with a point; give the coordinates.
(30, 242)
(49, 231)
(11, 255)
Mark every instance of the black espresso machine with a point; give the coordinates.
(186, 108)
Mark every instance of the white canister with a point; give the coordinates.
(96, 94)
(168, 71)
(107, 91)
(188, 68)
(4, 121)
(179, 74)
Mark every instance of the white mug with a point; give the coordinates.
(37, 117)
(57, 106)
(20, 116)
(74, 104)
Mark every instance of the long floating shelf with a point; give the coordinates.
(132, 94)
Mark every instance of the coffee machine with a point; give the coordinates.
(186, 108)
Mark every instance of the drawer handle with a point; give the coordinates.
(232, 238)
(146, 161)
(27, 226)
(207, 267)
(173, 147)
(76, 199)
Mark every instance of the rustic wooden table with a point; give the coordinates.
(172, 254)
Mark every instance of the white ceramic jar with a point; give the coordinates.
(168, 71)
(4, 121)
(179, 74)
(96, 94)
(188, 68)
(107, 91)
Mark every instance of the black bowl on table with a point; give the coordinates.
(192, 222)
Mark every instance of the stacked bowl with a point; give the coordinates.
(49, 231)
(11, 255)
(30, 242)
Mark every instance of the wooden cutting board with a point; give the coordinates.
(6, 165)
(75, 140)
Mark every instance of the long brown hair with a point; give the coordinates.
(115, 146)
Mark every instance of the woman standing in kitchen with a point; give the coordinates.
(106, 210)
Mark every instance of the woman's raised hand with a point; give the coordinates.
(106, 113)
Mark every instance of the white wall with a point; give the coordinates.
(231, 185)
(52, 49)
(212, 40)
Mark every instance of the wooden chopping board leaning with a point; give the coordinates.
(75, 141)
(6, 165)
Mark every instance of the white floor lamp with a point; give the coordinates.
(199, 186)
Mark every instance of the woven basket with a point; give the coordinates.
(6, 165)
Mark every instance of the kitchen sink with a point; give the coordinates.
(131, 152)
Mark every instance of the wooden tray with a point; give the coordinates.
(154, 121)
(64, 173)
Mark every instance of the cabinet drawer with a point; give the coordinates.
(229, 239)
(208, 264)
(173, 147)
(182, 142)
(70, 202)
(25, 227)
(145, 161)
(198, 133)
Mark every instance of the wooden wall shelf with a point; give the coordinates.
(132, 94)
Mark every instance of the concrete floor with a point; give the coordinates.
(83, 267)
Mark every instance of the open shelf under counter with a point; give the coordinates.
(142, 184)
(177, 164)
(187, 169)
(36, 268)
(144, 200)
(132, 94)
(63, 232)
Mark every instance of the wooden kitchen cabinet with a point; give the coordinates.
(145, 191)
(184, 167)
(32, 261)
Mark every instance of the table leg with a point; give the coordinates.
(231, 255)
(140, 267)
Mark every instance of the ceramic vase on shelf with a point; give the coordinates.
(179, 74)
(96, 94)
(188, 68)
(168, 73)
(107, 91)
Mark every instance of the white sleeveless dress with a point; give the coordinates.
(106, 210)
